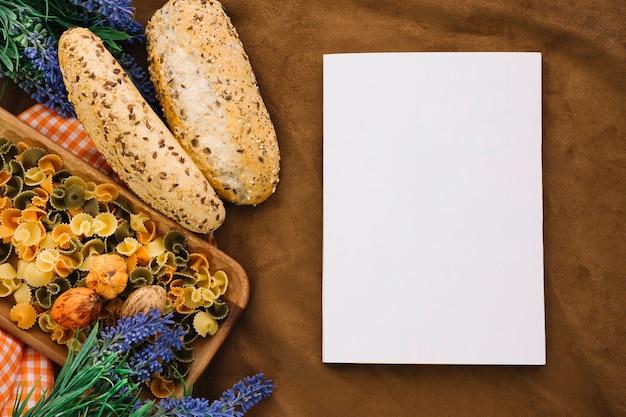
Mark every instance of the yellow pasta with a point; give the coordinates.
(203, 278)
(208, 296)
(141, 257)
(104, 224)
(42, 196)
(137, 221)
(33, 214)
(9, 285)
(179, 305)
(46, 323)
(28, 234)
(155, 247)
(48, 242)
(197, 261)
(9, 220)
(50, 163)
(62, 234)
(150, 233)
(46, 259)
(166, 260)
(24, 315)
(47, 185)
(34, 176)
(198, 297)
(28, 253)
(204, 324)
(65, 265)
(20, 268)
(36, 277)
(7, 271)
(105, 193)
(81, 224)
(128, 246)
(61, 335)
(219, 283)
(23, 294)
(191, 298)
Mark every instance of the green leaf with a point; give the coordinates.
(6, 62)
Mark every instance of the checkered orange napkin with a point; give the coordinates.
(22, 367)
(67, 132)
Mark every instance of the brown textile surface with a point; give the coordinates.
(279, 243)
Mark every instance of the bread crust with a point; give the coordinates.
(131, 136)
(210, 99)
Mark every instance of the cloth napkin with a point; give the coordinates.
(67, 132)
(23, 368)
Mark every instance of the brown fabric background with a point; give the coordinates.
(279, 243)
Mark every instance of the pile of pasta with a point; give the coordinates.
(53, 224)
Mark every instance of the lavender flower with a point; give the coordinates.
(149, 360)
(130, 331)
(244, 394)
(117, 14)
(185, 406)
(30, 31)
(36, 69)
(106, 375)
(235, 402)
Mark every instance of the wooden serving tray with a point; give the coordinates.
(238, 286)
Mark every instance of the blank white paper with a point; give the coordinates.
(433, 220)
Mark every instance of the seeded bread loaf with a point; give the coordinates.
(132, 138)
(211, 100)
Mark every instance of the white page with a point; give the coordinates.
(433, 228)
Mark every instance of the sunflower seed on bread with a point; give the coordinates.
(210, 98)
(132, 138)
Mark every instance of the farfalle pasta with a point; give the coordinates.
(9, 220)
(54, 224)
(24, 315)
(7, 271)
(47, 259)
(9, 285)
(50, 163)
(104, 224)
(34, 176)
(9, 281)
(139, 277)
(128, 246)
(105, 193)
(62, 235)
(34, 276)
(162, 387)
(204, 324)
(47, 294)
(23, 294)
